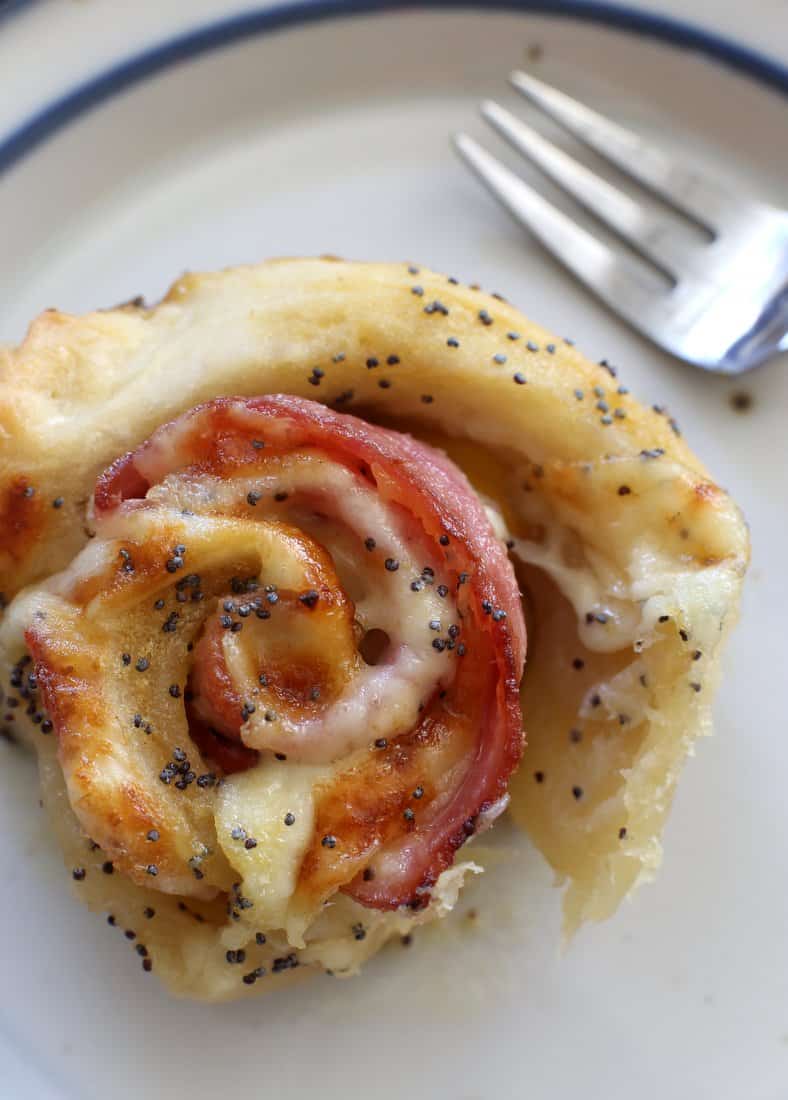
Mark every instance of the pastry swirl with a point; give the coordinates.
(216, 624)
(287, 580)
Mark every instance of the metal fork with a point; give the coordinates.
(724, 305)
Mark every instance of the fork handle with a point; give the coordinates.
(767, 336)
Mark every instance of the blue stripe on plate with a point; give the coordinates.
(11, 7)
(299, 12)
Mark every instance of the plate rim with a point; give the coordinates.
(285, 14)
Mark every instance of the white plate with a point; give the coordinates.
(333, 138)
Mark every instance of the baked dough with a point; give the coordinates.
(630, 558)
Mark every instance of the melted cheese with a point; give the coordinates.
(381, 700)
(263, 850)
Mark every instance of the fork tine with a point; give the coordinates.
(645, 231)
(701, 200)
(618, 282)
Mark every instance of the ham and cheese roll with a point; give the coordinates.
(263, 625)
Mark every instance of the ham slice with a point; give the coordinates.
(389, 538)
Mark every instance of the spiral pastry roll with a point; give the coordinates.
(287, 665)
(271, 657)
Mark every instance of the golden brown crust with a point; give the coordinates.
(81, 391)
(109, 769)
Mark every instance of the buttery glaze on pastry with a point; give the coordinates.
(630, 558)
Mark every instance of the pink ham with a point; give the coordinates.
(389, 821)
